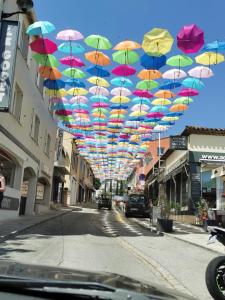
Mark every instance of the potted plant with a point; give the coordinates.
(164, 223)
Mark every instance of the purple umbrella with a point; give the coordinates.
(190, 39)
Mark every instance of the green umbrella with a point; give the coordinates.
(65, 118)
(46, 60)
(117, 116)
(179, 61)
(74, 73)
(147, 85)
(125, 57)
(183, 100)
(98, 42)
(100, 109)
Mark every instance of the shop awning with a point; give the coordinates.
(175, 171)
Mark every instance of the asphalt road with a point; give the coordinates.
(107, 241)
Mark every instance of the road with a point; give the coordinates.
(107, 241)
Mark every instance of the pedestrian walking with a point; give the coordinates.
(2, 188)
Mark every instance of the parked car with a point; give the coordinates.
(137, 205)
(105, 201)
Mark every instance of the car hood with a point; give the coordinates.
(15, 269)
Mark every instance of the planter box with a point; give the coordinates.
(164, 225)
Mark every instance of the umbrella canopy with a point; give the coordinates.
(159, 108)
(98, 71)
(80, 105)
(174, 74)
(73, 82)
(77, 91)
(74, 73)
(125, 57)
(72, 61)
(215, 46)
(69, 35)
(193, 83)
(98, 98)
(98, 81)
(71, 48)
(118, 111)
(49, 72)
(138, 113)
(64, 112)
(120, 91)
(100, 110)
(161, 101)
(179, 61)
(190, 39)
(178, 107)
(140, 107)
(157, 42)
(99, 90)
(100, 104)
(43, 46)
(147, 85)
(141, 100)
(40, 28)
(209, 58)
(149, 74)
(56, 93)
(97, 58)
(120, 99)
(127, 45)
(143, 93)
(169, 85)
(46, 60)
(122, 82)
(201, 72)
(187, 92)
(58, 100)
(54, 84)
(164, 94)
(183, 100)
(124, 70)
(98, 42)
(153, 62)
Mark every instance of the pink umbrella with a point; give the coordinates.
(43, 46)
(146, 126)
(72, 61)
(124, 136)
(143, 93)
(69, 35)
(188, 92)
(124, 70)
(100, 104)
(155, 115)
(63, 112)
(116, 121)
(99, 124)
(99, 90)
(78, 135)
(78, 99)
(82, 111)
(120, 91)
(190, 39)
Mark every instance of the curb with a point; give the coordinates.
(15, 233)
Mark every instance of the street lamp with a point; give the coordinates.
(24, 6)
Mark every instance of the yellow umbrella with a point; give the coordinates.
(82, 115)
(118, 111)
(135, 138)
(99, 115)
(209, 58)
(120, 99)
(157, 42)
(56, 93)
(170, 119)
(138, 113)
(98, 81)
(164, 94)
(127, 45)
(178, 107)
(161, 101)
(77, 91)
(149, 74)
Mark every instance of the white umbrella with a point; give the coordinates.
(120, 91)
(99, 90)
(174, 74)
(201, 72)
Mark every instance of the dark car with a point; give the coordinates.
(138, 205)
(105, 201)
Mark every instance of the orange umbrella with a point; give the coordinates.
(149, 74)
(178, 107)
(164, 94)
(118, 111)
(127, 45)
(49, 72)
(97, 58)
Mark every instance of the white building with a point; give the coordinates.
(27, 129)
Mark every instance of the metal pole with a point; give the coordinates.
(159, 150)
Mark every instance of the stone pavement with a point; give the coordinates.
(11, 228)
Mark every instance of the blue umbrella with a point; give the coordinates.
(54, 84)
(100, 120)
(146, 139)
(72, 48)
(112, 136)
(123, 140)
(137, 118)
(174, 114)
(119, 106)
(214, 46)
(61, 106)
(169, 85)
(193, 83)
(159, 108)
(121, 81)
(166, 123)
(153, 62)
(40, 28)
(112, 143)
(141, 100)
(73, 82)
(133, 143)
(81, 105)
(99, 98)
(98, 71)
(147, 120)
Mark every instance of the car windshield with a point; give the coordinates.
(112, 145)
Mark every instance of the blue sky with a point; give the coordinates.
(131, 19)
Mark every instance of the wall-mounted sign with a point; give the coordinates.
(178, 142)
(8, 47)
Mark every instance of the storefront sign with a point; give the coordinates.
(8, 48)
(178, 142)
(10, 203)
(59, 144)
(210, 157)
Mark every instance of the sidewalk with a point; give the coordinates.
(11, 228)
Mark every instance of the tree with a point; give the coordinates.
(97, 183)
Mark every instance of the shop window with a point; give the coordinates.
(7, 168)
(17, 102)
(160, 151)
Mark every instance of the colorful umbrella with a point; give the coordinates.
(56, 93)
(187, 92)
(141, 100)
(73, 82)
(169, 85)
(121, 81)
(121, 91)
(140, 107)
(193, 83)
(164, 94)
(153, 62)
(190, 39)
(77, 91)
(125, 57)
(201, 72)
(74, 73)
(43, 46)
(209, 58)
(98, 42)
(159, 108)
(40, 28)
(72, 61)
(54, 84)
(149, 74)
(127, 45)
(174, 74)
(71, 48)
(98, 81)
(98, 98)
(179, 61)
(183, 100)
(69, 35)
(97, 58)
(215, 46)
(49, 72)
(161, 101)
(100, 104)
(98, 71)
(120, 99)
(79, 99)
(46, 60)
(124, 70)
(178, 107)
(99, 90)
(147, 85)
(143, 93)
(157, 42)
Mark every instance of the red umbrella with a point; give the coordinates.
(72, 61)
(188, 92)
(124, 70)
(143, 93)
(190, 39)
(63, 112)
(43, 46)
